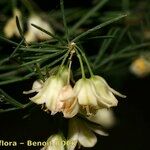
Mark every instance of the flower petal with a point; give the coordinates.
(86, 137)
(73, 134)
(98, 129)
(104, 117)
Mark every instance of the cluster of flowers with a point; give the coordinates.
(90, 97)
(32, 34)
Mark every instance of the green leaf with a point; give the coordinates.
(98, 27)
(10, 100)
(88, 15)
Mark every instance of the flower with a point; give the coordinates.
(105, 93)
(56, 94)
(67, 102)
(81, 132)
(104, 117)
(95, 93)
(54, 142)
(86, 94)
(34, 34)
(10, 28)
(49, 93)
(140, 67)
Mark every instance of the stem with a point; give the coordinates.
(81, 64)
(88, 15)
(69, 68)
(98, 27)
(86, 61)
(11, 100)
(69, 71)
(63, 61)
(39, 72)
(64, 19)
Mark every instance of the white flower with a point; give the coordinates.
(140, 67)
(10, 28)
(55, 142)
(67, 102)
(34, 34)
(104, 117)
(85, 91)
(81, 132)
(95, 93)
(104, 93)
(48, 95)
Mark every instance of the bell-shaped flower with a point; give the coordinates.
(105, 94)
(95, 93)
(104, 117)
(33, 34)
(81, 133)
(54, 142)
(67, 102)
(10, 28)
(48, 95)
(85, 91)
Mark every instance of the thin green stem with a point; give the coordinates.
(63, 61)
(98, 27)
(106, 43)
(39, 72)
(9, 41)
(86, 60)
(11, 100)
(88, 15)
(17, 79)
(16, 49)
(48, 33)
(64, 20)
(81, 64)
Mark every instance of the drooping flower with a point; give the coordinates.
(81, 133)
(104, 117)
(56, 94)
(67, 102)
(48, 95)
(105, 93)
(140, 67)
(85, 91)
(10, 28)
(54, 142)
(34, 34)
(95, 93)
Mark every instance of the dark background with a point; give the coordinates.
(132, 113)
